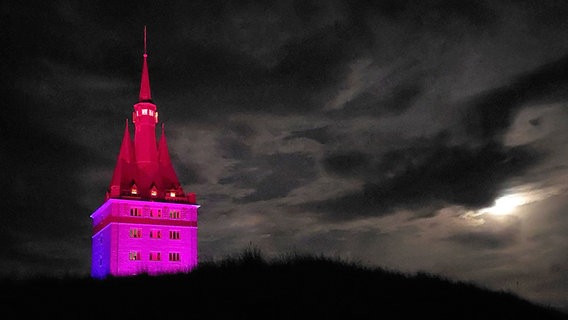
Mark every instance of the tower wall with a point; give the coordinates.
(133, 237)
(100, 266)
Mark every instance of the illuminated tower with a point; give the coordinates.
(147, 223)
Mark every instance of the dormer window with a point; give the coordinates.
(153, 191)
(172, 194)
(134, 191)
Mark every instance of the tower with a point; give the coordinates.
(147, 223)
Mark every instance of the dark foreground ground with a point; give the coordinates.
(248, 287)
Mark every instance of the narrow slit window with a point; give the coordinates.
(174, 235)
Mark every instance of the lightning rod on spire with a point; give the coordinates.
(144, 39)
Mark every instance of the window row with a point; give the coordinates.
(153, 192)
(154, 256)
(154, 234)
(155, 213)
(146, 112)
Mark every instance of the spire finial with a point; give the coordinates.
(145, 82)
(145, 54)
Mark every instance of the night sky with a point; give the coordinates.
(411, 135)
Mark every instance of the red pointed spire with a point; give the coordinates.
(126, 146)
(145, 94)
(125, 158)
(169, 177)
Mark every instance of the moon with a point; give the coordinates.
(506, 204)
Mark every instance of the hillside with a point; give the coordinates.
(249, 287)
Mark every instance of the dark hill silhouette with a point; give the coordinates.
(247, 286)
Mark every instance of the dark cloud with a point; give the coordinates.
(41, 166)
(42, 204)
(369, 103)
(234, 148)
(187, 171)
(234, 140)
(550, 13)
(350, 164)
(316, 61)
(428, 175)
(272, 176)
(321, 134)
(490, 113)
(483, 240)
(433, 13)
(489, 237)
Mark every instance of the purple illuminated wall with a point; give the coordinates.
(132, 237)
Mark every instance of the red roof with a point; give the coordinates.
(154, 177)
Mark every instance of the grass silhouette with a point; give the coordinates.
(247, 286)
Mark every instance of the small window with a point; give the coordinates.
(174, 214)
(156, 213)
(155, 234)
(135, 233)
(134, 255)
(134, 189)
(153, 193)
(174, 256)
(150, 112)
(155, 256)
(172, 194)
(144, 112)
(135, 212)
(174, 235)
